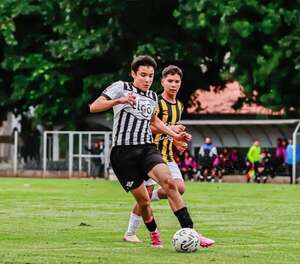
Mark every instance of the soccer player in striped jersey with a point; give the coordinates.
(134, 157)
(169, 110)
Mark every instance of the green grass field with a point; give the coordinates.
(83, 221)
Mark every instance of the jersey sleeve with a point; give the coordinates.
(181, 107)
(114, 91)
(156, 110)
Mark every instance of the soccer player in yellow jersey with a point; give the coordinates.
(169, 110)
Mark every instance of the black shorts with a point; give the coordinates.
(131, 164)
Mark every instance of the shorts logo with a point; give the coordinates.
(129, 184)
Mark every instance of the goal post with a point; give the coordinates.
(296, 147)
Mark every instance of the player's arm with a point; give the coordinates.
(175, 128)
(162, 128)
(181, 146)
(103, 103)
(152, 127)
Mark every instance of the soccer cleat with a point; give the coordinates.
(205, 242)
(131, 238)
(155, 239)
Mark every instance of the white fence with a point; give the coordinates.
(71, 147)
(57, 152)
(65, 151)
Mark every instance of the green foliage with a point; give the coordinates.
(46, 45)
(57, 56)
(262, 38)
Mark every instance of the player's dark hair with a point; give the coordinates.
(172, 69)
(143, 60)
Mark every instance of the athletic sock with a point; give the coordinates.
(151, 225)
(154, 196)
(133, 224)
(184, 218)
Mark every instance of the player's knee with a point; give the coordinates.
(181, 189)
(144, 203)
(170, 184)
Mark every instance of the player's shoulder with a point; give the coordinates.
(116, 85)
(179, 102)
(160, 98)
(153, 95)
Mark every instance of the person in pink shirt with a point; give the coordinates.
(280, 155)
(189, 166)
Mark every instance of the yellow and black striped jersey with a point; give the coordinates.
(170, 114)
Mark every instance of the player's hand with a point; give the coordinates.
(188, 137)
(183, 136)
(129, 99)
(181, 146)
(177, 128)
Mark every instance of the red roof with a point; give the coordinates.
(220, 101)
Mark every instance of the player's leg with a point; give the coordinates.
(160, 193)
(125, 161)
(143, 200)
(135, 218)
(161, 174)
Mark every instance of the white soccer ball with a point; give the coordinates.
(186, 240)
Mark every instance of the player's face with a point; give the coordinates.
(143, 77)
(171, 84)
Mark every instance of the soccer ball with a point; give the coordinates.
(186, 240)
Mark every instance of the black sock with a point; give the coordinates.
(151, 226)
(184, 218)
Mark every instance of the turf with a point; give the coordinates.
(83, 221)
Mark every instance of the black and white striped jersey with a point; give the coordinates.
(131, 123)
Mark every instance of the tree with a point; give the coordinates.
(262, 38)
(54, 54)
(57, 56)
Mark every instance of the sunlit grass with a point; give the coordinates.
(83, 221)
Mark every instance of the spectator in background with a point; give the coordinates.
(97, 165)
(227, 163)
(30, 147)
(289, 158)
(207, 154)
(219, 168)
(265, 167)
(253, 158)
(280, 155)
(235, 160)
(189, 166)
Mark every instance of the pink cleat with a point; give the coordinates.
(155, 239)
(205, 242)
